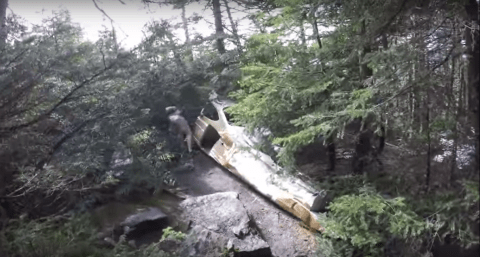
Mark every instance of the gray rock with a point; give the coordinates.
(230, 245)
(169, 245)
(122, 158)
(321, 201)
(241, 231)
(203, 242)
(149, 221)
(220, 221)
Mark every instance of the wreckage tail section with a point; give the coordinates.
(299, 210)
(224, 143)
(222, 118)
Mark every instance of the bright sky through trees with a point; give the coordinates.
(129, 18)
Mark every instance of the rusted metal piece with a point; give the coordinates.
(227, 145)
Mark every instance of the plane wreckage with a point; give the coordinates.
(232, 148)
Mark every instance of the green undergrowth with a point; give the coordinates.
(169, 233)
(73, 237)
(365, 222)
(453, 213)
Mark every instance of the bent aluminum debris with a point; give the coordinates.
(231, 148)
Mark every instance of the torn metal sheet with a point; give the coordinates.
(232, 148)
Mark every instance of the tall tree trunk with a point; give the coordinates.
(363, 146)
(418, 68)
(331, 156)
(4, 179)
(429, 144)
(220, 34)
(114, 36)
(463, 94)
(234, 28)
(303, 36)
(3, 17)
(313, 19)
(411, 107)
(384, 41)
(456, 114)
(176, 55)
(424, 66)
(187, 34)
(383, 120)
(315, 31)
(473, 52)
(453, 166)
(365, 71)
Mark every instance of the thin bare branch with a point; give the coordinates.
(58, 104)
(101, 10)
(444, 60)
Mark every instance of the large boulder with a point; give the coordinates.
(151, 220)
(219, 222)
(140, 228)
(322, 200)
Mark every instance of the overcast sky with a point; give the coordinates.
(129, 19)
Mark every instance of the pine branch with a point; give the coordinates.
(58, 104)
(446, 59)
(65, 137)
(384, 27)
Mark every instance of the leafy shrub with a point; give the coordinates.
(453, 213)
(122, 249)
(343, 185)
(169, 233)
(75, 237)
(365, 222)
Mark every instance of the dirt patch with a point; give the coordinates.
(283, 232)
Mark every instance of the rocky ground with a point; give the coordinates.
(284, 233)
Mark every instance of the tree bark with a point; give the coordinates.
(331, 154)
(473, 52)
(363, 151)
(234, 27)
(365, 71)
(315, 31)
(217, 14)
(303, 37)
(3, 25)
(428, 116)
(187, 34)
(456, 114)
(429, 143)
(363, 147)
(114, 36)
(384, 41)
